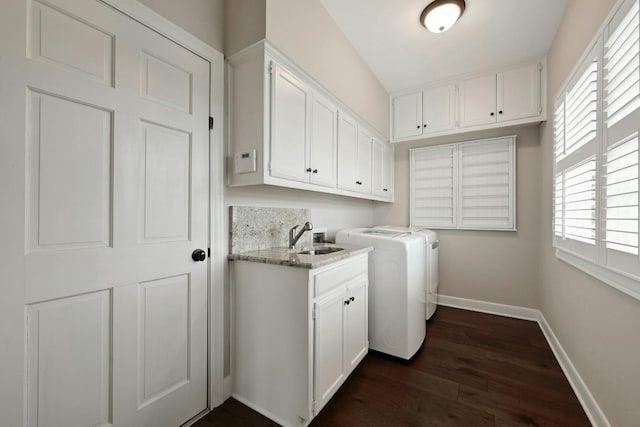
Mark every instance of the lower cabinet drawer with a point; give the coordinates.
(329, 279)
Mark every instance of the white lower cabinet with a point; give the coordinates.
(297, 334)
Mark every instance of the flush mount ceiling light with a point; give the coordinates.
(440, 15)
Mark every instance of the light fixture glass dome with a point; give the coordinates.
(440, 15)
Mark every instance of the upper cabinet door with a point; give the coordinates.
(290, 119)
(478, 101)
(519, 93)
(378, 163)
(439, 109)
(324, 135)
(407, 115)
(347, 152)
(387, 172)
(365, 142)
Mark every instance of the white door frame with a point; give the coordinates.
(161, 25)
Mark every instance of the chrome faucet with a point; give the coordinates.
(293, 238)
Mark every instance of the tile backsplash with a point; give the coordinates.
(254, 228)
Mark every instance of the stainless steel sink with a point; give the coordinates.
(320, 251)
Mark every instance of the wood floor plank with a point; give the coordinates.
(474, 369)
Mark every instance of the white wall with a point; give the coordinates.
(202, 18)
(597, 325)
(495, 266)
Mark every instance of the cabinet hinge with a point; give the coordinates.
(313, 316)
(540, 67)
(209, 252)
(210, 122)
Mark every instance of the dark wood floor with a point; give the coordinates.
(474, 370)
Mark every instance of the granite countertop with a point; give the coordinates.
(283, 256)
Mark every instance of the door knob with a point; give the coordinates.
(198, 255)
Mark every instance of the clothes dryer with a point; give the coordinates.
(396, 289)
(432, 275)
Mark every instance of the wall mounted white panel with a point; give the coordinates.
(167, 171)
(65, 40)
(69, 182)
(164, 335)
(69, 362)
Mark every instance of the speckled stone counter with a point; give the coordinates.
(283, 256)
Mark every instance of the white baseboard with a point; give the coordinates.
(589, 404)
(489, 307)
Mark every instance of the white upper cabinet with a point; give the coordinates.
(284, 130)
(365, 141)
(290, 108)
(439, 109)
(425, 112)
(478, 101)
(324, 136)
(519, 93)
(382, 165)
(347, 153)
(510, 96)
(355, 156)
(407, 115)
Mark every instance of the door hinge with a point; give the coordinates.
(210, 122)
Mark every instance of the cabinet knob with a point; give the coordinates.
(493, 114)
(418, 126)
(308, 169)
(500, 112)
(425, 125)
(347, 302)
(352, 299)
(315, 171)
(384, 189)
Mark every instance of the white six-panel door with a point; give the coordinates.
(116, 182)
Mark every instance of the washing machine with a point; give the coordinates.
(396, 288)
(432, 243)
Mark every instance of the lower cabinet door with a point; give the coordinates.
(356, 324)
(329, 346)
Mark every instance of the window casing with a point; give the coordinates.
(467, 185)
(596, 162)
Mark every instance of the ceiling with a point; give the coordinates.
(402, 53)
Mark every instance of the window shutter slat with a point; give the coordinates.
(621, 196)
(622, 68)
(558, 131)
(581, 110)
(486, 184)
(580, 202)
(433, 201)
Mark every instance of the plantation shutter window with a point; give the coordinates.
(433, 193)
(622, 66)
(596, 178)
(468, 185)
(576, 135)
(486, 184)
